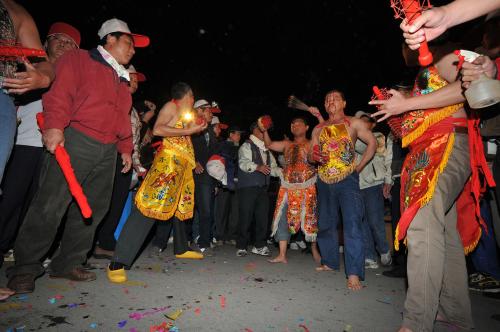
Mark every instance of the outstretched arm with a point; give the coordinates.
(433, 22)
(278, 146)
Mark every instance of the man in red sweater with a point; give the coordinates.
(87, 112)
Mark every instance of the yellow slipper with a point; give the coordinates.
(190, 255)
(117, 276)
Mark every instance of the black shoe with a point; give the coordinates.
(22, 283)
(397, 272)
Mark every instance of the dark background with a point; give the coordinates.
(249, 56)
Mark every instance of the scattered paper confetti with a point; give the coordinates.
(348, 328)
(122, 324)
(386, 300)
(163, 327)
(248, 329)
(304, 327)
(197, 311)
(72, 305)
(93, 325)
(250, 266)
(23, 297)
(174, 314)
(222, 301)
(52, 300)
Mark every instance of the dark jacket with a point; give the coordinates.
(202, 152)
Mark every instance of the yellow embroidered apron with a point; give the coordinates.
(336, 142)
(168, 188)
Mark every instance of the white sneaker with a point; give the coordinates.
(46, 262)
(9, 256)
(371, 264)
(294, 246)
(196, 239)
(301, 244)
(241, 252)
(341, 249)
(170, 240)
(386, 259)
(264, 251)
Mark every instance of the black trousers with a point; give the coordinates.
(226, 215)
(136, 230)
(94, 165)
(253, 205)
(204, 195)
(19, 185)
(121, 185)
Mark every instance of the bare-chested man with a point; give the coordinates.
(167, 191)
(338, 186)
(296, 204)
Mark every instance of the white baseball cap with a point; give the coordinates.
(201, 103)
(116, 25)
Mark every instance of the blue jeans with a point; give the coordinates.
(485, 257)
(283, 232)
(373, 222)
(346, 196)
(7, 129)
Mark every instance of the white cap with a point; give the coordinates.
(116, 25)
(201, 103)
(215, 120)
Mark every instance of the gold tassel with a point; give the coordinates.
(396, 236)
(472, 246)
(444, 161)
(429, 121)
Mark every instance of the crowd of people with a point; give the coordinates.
(179, 171)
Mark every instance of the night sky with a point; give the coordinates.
(250, 56)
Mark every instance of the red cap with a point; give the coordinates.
(65, 29)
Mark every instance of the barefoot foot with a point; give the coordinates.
(353, 283)
(278, 259)
(323, 268)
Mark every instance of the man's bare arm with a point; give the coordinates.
(367, 137)
(36, 76)
(165, 118)
(278, 146)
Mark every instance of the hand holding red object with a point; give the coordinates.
(64, 162)
(410, 10)
(265, 122)
(317, 156)
(394, 121)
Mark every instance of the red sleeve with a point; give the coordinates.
(58, 101)
(497, 61)
(124, 144)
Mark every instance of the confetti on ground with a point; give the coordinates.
(139, 315)
(122, 324)
(386, 300)
(222, 301)
(197, 311)
(23, 297)
(304, 327)
(248, 330)
(8, 306)
(72, 305)
(250, 266)
(93, 325)
(133, 329)
(348, 328)
(163, 327)
(52, 300)
(174, 314)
